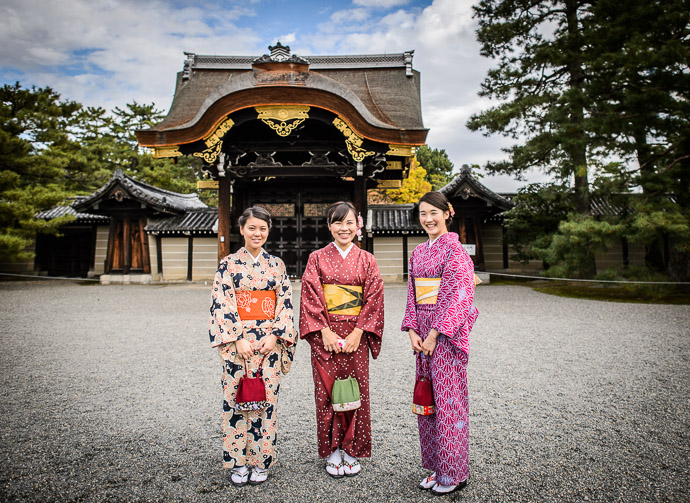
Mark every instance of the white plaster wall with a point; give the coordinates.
(101, 252)
(205, 258)
(174, 258)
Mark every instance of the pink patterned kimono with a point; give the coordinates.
(350, 430)
(444, 436)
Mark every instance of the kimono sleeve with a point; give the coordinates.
(371, 315)
(224, 323)
(283, 323)
(313, 314)
(410, 319)
(456, 293)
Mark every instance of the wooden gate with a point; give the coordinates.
(128, 246)
(299, 227)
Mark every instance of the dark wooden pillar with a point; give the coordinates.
(112, 242)
(479, 251)
(190, 257)
(159, 255)
(145, 254)
(127, 244)
(223, 217)
(359, 199)
(504, 242)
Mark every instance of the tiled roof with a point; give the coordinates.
(193, 222)
(81, 218)
(159, 199)
(392, 219)
(465, 186)
(383, 88)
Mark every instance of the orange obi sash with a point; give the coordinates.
(256, 304)
(343, 299)
(426, 290)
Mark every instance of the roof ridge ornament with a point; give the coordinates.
(280, 54)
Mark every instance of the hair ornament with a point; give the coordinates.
(360, 224)
(452, 211)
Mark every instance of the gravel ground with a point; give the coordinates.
(112, 393)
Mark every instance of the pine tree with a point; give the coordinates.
(439, 168)
(33, 123)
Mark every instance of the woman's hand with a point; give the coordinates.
(267, 344)
(352, 341)
(429, 343)
(244, 349)
(415, 340)
(330, 340)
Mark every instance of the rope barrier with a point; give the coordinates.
(30, 276)
(588, 280)
(33, 276)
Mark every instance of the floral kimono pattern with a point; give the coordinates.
(444, 436)
(249, 438)
(349, 430)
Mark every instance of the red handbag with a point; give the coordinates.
(423, 396)
(251, 391)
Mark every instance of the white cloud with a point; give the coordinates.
(110, 52)
(123, 50)
(385, 4)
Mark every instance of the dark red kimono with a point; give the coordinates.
(351, 430)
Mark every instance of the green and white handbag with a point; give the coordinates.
(345, 395)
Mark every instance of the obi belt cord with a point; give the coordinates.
(256, 304)
(343, 299)
(426, 290)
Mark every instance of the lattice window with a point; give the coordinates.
(315, 209)
(279, 210)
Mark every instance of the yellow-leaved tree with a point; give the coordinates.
(413, 187)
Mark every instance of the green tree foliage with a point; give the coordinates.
(439, 168)
(582, 82)
(52, 150)
(539, 81)
(532, 222)
(33, 122)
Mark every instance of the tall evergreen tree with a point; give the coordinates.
(33, 122)
(539, 81)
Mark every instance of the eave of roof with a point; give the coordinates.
(159, 199)
(377, 95)
(474, 188)
(192, 222)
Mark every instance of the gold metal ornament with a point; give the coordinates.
(401, 150)
(214, 141)
(352, 140)
(389, 184)
(167, 151)
(282, 119)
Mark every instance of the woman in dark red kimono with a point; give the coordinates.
(341, 316)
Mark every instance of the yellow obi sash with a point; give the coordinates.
(426, 290)
(343, 299)
(256, 304)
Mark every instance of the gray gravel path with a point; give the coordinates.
(112, 394)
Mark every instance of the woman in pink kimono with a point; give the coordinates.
(341, 316)
(438, 318)
(251, 324)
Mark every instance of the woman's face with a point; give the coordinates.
(433, 220)
(255, 233)
(345, 230)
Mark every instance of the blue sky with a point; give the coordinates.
(111, 52)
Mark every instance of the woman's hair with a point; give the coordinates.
(338, 211)
(256, 212)
(438, 200)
